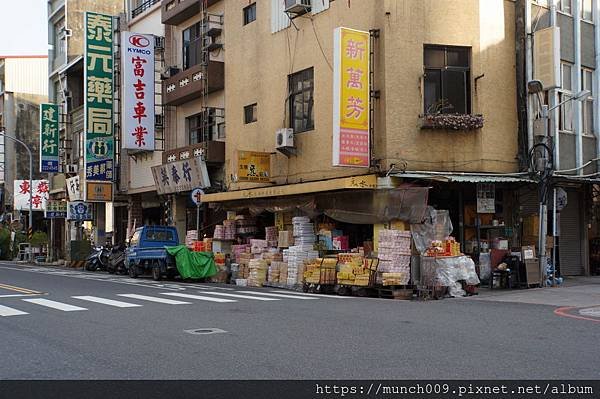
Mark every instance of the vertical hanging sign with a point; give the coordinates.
(98, 100)
(138, 91)
(49, 138)
(351, 98)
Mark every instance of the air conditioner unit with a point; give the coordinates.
(73, 168)
(169, 72)
(284, 138)
(297, 6)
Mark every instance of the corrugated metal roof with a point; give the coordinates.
(466, 178)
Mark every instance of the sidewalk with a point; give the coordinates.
(575, 292)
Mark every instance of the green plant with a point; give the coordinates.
(5, 252)
(38, 239)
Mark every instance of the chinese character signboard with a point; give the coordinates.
(351, 97)
(56, 209)
(49, 138)
(79, 210)
(180, 176)
(98, 97)
(486, 198)
(99, 192)
(74, 189)
(253, 166)
(40, 193)
(138, 91)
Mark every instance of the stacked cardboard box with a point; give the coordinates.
(271, 236)
(243, 260)
(394, 256)
(286, 239)
(258, 272)
(353, 270)
(229, 230)
(277, 272)
(258, 246)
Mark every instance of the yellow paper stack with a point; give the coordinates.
(320, 271)
(394, 278)
(352, 270)
(283, 272)
(258, 272)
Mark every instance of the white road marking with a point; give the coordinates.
(275, 295)
(17, 295)
(202, 298)
(54, 305)
(155, 299)
(241, 296)
(6, 311)
(208, 287)
(315, 295)
(108, 302)
(594, 312)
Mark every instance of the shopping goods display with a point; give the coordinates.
(190, 237)
(258, 269)
(304, 231)
(229, 229)
(258, 246)
(320, 271)
(354, 269)
(271, 236)
(394, 257)
(448, 247)
(219, 233)
(285, 239)
(277, 272)
(245, 225)
(237, 250)
(296, 256)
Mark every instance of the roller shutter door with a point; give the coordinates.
(571, 262)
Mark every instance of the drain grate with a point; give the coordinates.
(205, 331)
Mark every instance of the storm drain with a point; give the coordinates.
(205, 331)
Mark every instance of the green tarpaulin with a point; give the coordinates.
(193, 264)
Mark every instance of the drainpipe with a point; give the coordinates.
(578, 106)
(596, 80)
(529, 72)
(553, 100)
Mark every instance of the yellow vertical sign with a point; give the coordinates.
(351, 145)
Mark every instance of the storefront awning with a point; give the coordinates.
(365, 182)
(466, 178)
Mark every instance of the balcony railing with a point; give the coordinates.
(146, 5)
(211, 151)
(175, 12)
(187, 85)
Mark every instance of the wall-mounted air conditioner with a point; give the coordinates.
(169, 72)
(297, 6)
(284, 138)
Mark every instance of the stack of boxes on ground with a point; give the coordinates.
(394, 257)
(302, 250)
(320, 271)
(354, 269)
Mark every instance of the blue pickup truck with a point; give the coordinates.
(147, 253)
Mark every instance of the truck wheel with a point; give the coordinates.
(156, 275)
(133, 271)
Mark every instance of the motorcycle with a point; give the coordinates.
(116, 260)
(98, 259)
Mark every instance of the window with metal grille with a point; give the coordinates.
(250, 113)
(249, 13)
(301, 101)
(192, 46)
(447, 88)
(202, 127)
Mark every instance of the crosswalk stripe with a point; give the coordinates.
(109, 302)
(6, 311)
(241, 296)
(54, 305)
(154, 299)
(315, 295)
(200, 297)
(275, 295)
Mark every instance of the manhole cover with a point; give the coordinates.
(205, 331)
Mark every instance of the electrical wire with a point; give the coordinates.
(319, 43)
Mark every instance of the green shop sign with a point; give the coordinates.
(49, 138)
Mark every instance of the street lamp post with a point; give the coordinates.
(3, 134)
(545, 169)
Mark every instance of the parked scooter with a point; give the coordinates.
(116, 260)
(98, 259)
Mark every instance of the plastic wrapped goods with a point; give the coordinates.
(394, 254)
(258, 272)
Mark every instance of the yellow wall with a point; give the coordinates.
(258, 63)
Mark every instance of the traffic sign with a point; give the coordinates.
(196, 194)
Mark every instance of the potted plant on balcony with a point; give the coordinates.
(436, 118)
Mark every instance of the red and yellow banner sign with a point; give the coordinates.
(351, 142)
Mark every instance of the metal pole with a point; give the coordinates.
(198, 222)
(554, 230)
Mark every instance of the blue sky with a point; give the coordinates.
(23, 27)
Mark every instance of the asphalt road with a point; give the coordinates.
(81, 334)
